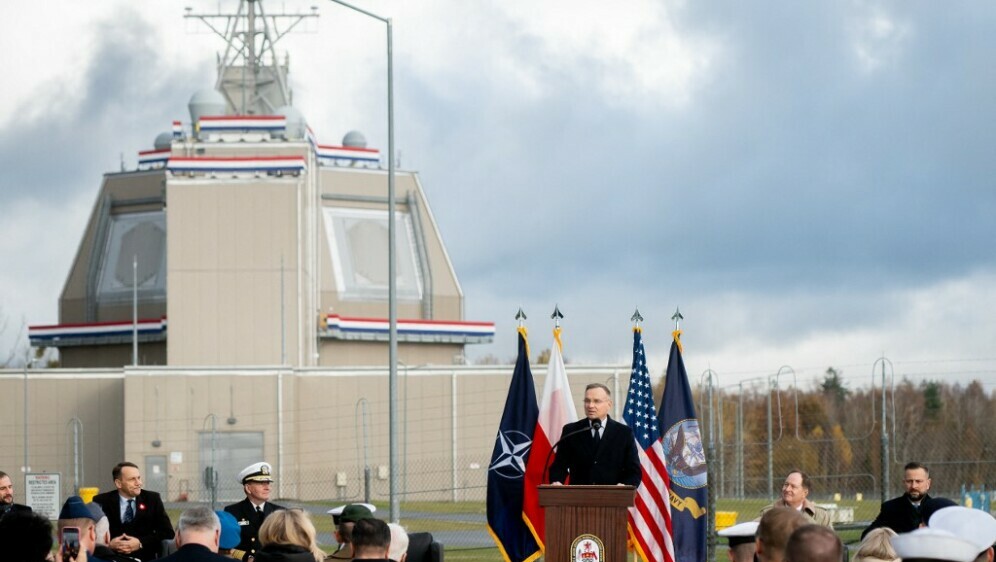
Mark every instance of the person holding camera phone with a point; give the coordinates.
(77, 532)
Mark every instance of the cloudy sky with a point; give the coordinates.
(810, 182)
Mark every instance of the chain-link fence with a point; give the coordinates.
(326, 434)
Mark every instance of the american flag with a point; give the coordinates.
(650, 517)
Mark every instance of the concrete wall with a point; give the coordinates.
(327, 426)
(54, 400)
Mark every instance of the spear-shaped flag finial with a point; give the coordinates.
(520, 316)
(677, 317)
(557, 315)
(637, 317)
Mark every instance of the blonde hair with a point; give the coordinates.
(290, 527)
(876, 546)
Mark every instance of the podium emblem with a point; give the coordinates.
(587, 548)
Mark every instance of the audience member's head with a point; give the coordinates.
(399, 543)
(973, 525)
(741, 537)
(198, 525)
(231, 533)
(814, 543)
(350, 515)
(25, 537)
(371, 539)
(102, 528)
(877, 547)
(773, 531)
(290, 527)
(6, 490)
(926, 544)
(795, 490)
(75, 513)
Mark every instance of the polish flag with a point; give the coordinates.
(556, 410)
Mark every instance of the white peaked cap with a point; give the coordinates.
(748, 529)
(973, 525)
(934, 544)
(256, 472)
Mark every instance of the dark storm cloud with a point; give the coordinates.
(117, 109)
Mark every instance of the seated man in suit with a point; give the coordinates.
(137, 518)
(912, 509)
(596, 449)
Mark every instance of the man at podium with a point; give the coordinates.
(596, 449)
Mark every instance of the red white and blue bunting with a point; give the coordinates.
(241, 123)
(98, 333)
(209, 164)
(422, 331)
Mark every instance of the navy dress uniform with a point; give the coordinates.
(250, 515)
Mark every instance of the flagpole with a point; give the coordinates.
(710, 377)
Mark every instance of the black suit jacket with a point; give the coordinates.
(195, 553)
(250, 522)
(901, 516)
(615, 462)
(14, 507)
(151, 524)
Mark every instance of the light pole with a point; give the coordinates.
(392, 288)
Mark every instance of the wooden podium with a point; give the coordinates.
(572, 511)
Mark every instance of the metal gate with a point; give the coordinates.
(222, 456)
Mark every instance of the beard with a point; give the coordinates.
(915, 496)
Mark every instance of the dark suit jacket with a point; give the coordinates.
(195, 553)
(13, 508)
(901, 516)
(250, 522)
(615, 462)
(151, 524)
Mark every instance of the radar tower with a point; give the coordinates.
(250, 76)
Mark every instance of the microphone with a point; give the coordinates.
(596, 425)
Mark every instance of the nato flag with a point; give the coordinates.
(685, 460)
(506, 474)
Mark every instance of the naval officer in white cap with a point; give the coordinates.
(250, 512)
(928, 544)
(973, 525)
(742, 541)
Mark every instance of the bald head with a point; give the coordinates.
(814, 543)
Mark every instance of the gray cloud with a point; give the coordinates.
(824, 164)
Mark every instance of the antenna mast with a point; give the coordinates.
(250, 75)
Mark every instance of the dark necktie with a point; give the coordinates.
(259, 513)
(129, 512)
(598, 438)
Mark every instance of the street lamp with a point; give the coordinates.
(392, 289)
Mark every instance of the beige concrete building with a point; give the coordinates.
(241, 240)
(324, 430)
(251, 261)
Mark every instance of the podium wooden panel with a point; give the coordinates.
(575, 510)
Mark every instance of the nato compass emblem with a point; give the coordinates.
(514, 449)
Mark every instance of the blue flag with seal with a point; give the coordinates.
(507, 471)
(685, 460)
